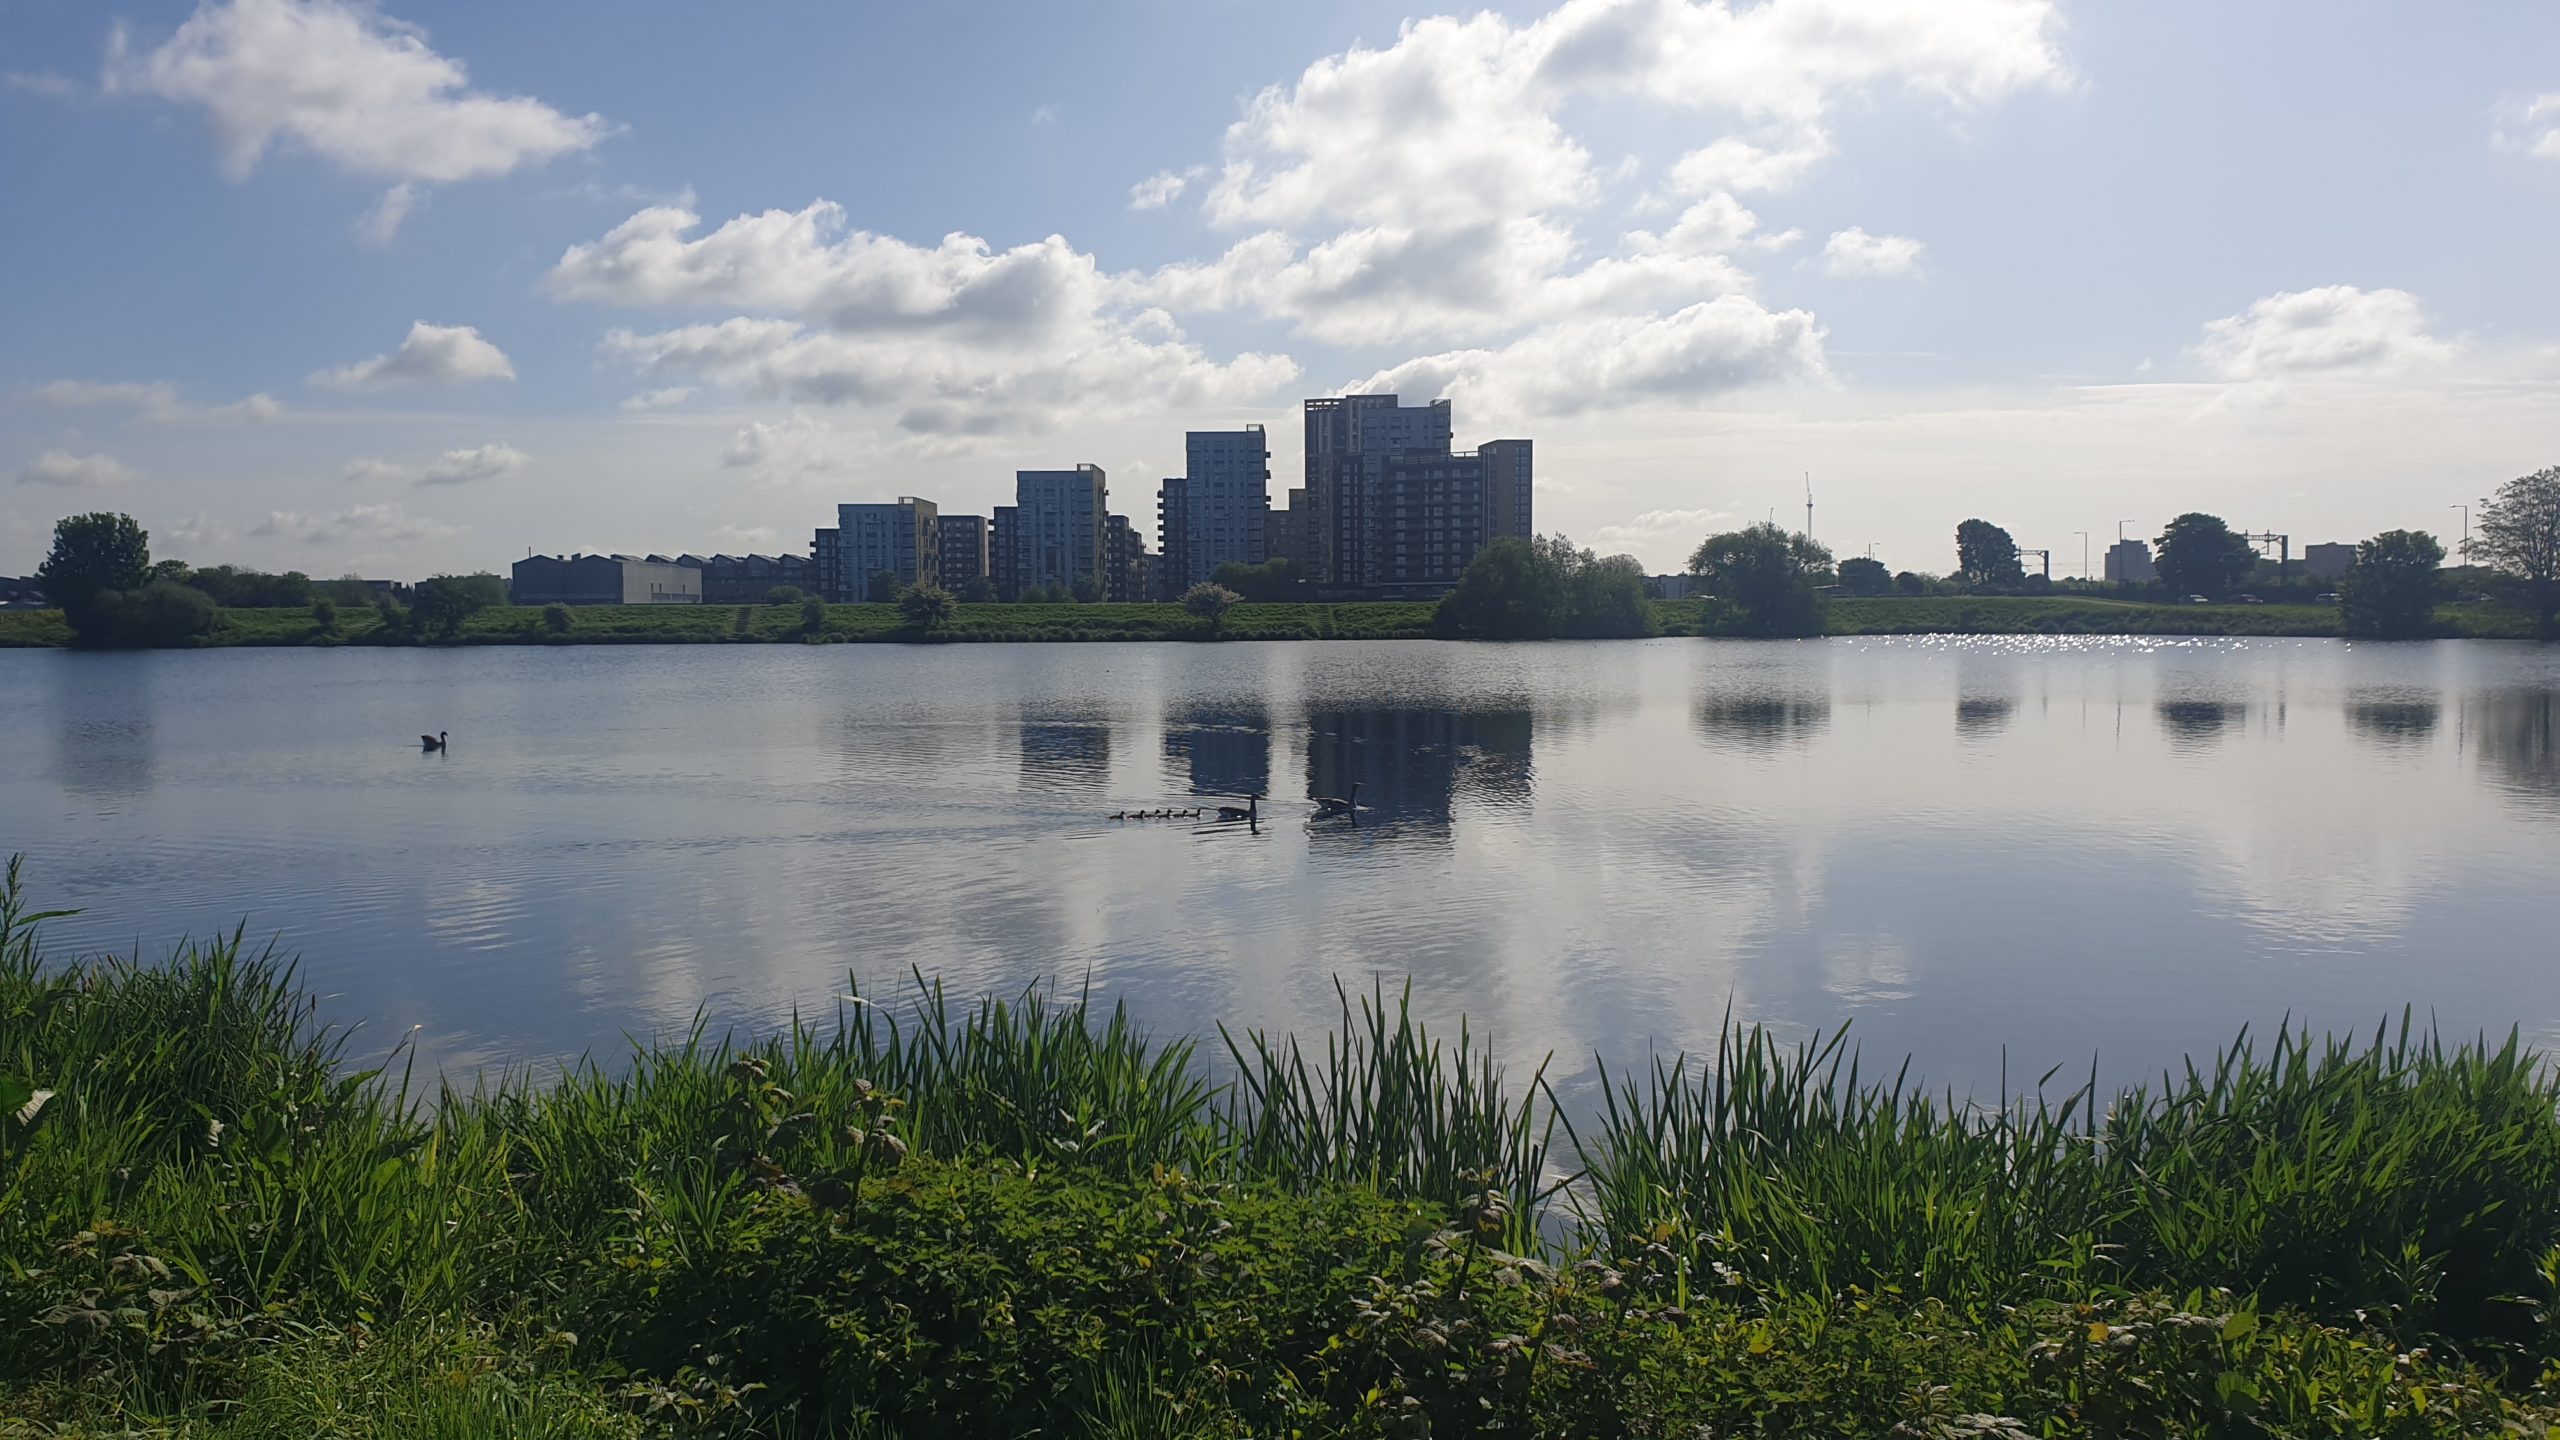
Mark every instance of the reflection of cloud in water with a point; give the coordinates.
(2194, 724)
(2518, 732)
(1979, 717)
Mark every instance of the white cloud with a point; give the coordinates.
(431, 355)
(659, 399)
(746, 539)
(381, 224)
(357, 524)
(2336, 329)
(483, 462)
(1732, 163)
(1662, 539)
(196, 532)
(348, 83)
(960, 338)
(154, 400)
(42, 82)
(1620, 361)
(2532, 126)
(61, 467)
(1162, 188)
(1045, 115)
(369, 468)
(797, 446)
(1854, 253)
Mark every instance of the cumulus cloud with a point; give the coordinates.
(347, 83)
(958, 337)
(482, 462)
(372, 468)
(1856, 254)
(1660, 537)
(431, 355)
(1737, 165)
(659, 399)
(1606, 362)
(156, 401)
(357, 524)
(196, 532)
(793, 447)
(1162, 188)
(2333, 330)
(61, 467)
(380, 225)
(2531, 126)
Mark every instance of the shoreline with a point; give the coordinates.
(1351, 620)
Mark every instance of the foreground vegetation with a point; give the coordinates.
(1372, 620)
(1028, 1217)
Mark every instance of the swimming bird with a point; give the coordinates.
(1245, 811)
(1330, 805)
(432, 742)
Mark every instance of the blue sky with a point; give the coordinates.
(408, 288)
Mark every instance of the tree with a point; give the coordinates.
(1274, 579)
(324, 615)
(1086, 590)
(443, 603)
(2198, 555)
(1769, 573)
(813, 615)
(1604, 595)
(785, 595)
(93, 555)
(2519, 535)
(556, 618)
(926, 605)
(394, 619)
(1911, 582)
(1509, 591)
(882, 587)
(978, 591)
(1210, 601)
(1986, 557)
(160, 613)
(1864, 575)
(2390, 589)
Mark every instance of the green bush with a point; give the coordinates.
(160, 613)
(557, 619)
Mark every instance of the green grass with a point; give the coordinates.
(1364, 620)
(997, 1218)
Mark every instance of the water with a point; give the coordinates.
(2059, 849)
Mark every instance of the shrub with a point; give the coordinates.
(926, 605)
(785, 595)
(324, 615)
(1210, 602)
(557, 619)
(813, 615)
(160, 613)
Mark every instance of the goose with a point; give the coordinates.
(432, 742)
(1245, 811)
(1344, 805)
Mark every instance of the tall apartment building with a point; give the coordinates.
(1347, 437)
(1285, 534)
(1428, 516)
(1126, 573)
(1060, 517)
(964, 550)
(1004, 552)
(903, 538)
(1216, 515)
(1507, 487)
(2129, 563)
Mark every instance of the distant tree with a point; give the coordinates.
(926, 605)
(1604, 594)
(1911, 582)
(2519, 536)
(1086, 590)
(557, 619)
(324, 615)
(1769, 573)
(442, 604)
(1273, 580)
(1986, 557)
(160, 613)
(93, 555)
(813, 615)
(978, 591)
(2390, 589)
(1210, 601)
(392, 618)
(1864, 575)
(1041, 595)
(1511, 590)
(2198, 555)
(785, 595)
(347, 590)
(240, 589)
(176, 572)
(882, 587)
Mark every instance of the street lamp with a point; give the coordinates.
(2084, 554)
(2466, 524)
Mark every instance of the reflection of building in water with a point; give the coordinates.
(1064, 754)
(2394, 722)
(1410, 763)
(1979, 717)
(2518, 734)
(2199, 722)
(1762, 720)
(1226, 749)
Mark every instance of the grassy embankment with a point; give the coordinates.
(1026, 1218)
(1394, 620)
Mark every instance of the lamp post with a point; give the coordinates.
(2084, 555)
(2466, 524)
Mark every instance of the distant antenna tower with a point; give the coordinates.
(1808, 504)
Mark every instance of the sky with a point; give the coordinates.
(407, 288)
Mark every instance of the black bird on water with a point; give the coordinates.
(432, 742)
(1344, 805)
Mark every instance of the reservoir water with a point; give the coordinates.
(2030, 851)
